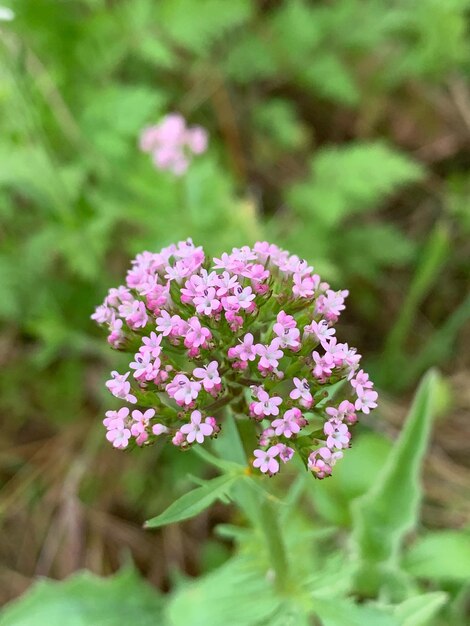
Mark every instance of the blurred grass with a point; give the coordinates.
(350, 146)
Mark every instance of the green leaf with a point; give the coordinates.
(87, 600)
(351, 179)
(440, 555)
(195, 501)
(419, 610)
(236, 594)
(336, 612)
(383, 516)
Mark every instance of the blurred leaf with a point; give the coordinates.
(236, 594)
(440, 555)
(389, 510)
(194, 502)
(418, 611)
(87, 600)
(341, 612)
(351, 179)
(198, 29)
(355, 475)
(434, 256)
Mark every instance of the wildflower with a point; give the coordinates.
(302, 392)
(171, 143)
(209, 374)
(120, 387)
(266, 461)
(197, 429)
(253, 318)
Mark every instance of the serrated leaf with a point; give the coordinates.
(383, 516)
(85, 600)
(440, 555)
(351, 179)
(194, 502)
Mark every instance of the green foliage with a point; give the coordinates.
(85, 599)
(195, 501)
(389, 510)
(346, 180)
(440, 555)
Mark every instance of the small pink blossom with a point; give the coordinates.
(197, 335)
(304, 287)
(321, 461)
(366, 399)
(266, 405)
(207, 303)
(288, 425)
(320, 330)
(197, 429)
(183, 390)
(324, 366)
(152, 345)
(120, 387)
(302, 392)
(338, 435)
(242, 298)
(209, 375)
(266, 461)
(270, 354)
(344, 412)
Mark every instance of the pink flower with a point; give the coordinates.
(207, 303)
(321, 461)
(288, 425)
(171, 143)
(120, 387)
(362, 379)
(345, 412)
(183, 390)
(159, 429)
(226, 283)
(265, 405)
(152, 345)
(116, 419)
(135, 314)
(241, 298)
(266, 461)
(166, 323)
(331, 304)
(141, 421)
(285, 453)
(209, 376)
(320, 330)
(289, 336)
(302, 392)
(270, 355)
(197, 429)
(118, 433)
(366, 399)
(145, 366)
(324, 366)
(197, 335)
(338, 435)
(304, 287)
(233, 307)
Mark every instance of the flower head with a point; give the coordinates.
(204, 332)
(171, 143)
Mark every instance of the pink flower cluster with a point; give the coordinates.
(171, 143)
(253, 328)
